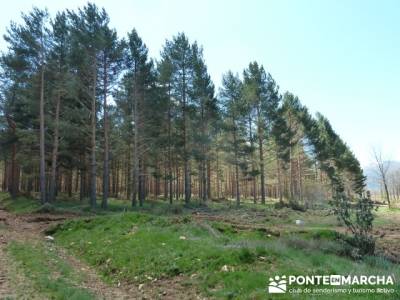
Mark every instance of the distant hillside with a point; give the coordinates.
(372, 176)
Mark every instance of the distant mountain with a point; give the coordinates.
(373, 177)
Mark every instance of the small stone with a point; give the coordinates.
(141, 286)
(225, 268)
(49, 238)
(182, 237)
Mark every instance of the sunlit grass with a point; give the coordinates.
(51, 275)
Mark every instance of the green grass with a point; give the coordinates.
(23, 204)
(162, 241)
(50, 275)
(386, 216)
(139, 247)
(20, 205)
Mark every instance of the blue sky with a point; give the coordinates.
(341, 57)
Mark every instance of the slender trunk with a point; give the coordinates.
(386, 192)
(13, 174)
(252, 161)
(177, 190)
(135, 169)
(169, 144)
(106, 170)
(185, 150)
(204, 193)
(261, 154)
(291, 183)
(41, 142)
(128, 171)
(54, 155)
(142, 161)
(142, 182)
(291, 192)
(82, 179)
(5, 172)
(278, 167)
(76, 181)
(218, 179)
(69, 187)
(300, 182)
(236, 167)
(93, 141)
(208, 179)
(14, 182)
(117, 180)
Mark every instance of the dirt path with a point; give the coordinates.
(12, 285)
(32, 227)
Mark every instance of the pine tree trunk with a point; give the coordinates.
(185, 150)
(55, 150)
(252, 161)
(135, 169)
(69, 186)
(82, 179)
(218, 179)
(142, 182)
(208, 179)
(41, 140)
(169, 145)
(106, 171)
(129, 172)
(237, 191)
(93, 141)
(117, 180)
(13, 174)
(278, 167)
(5, 176)
(300, 181)
(177, 193)
(261, 154)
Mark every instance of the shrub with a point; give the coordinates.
(246, 256)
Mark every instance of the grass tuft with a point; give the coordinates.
(51, 275)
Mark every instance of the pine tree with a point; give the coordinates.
(28, 44)
(87, 27)
(233, 107)
(165, 78)
(260, 93)
(139, 72)
(111, 66)
(180, 54)
(59, 69)
(206, 104)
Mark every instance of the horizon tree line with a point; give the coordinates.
(93, 114)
